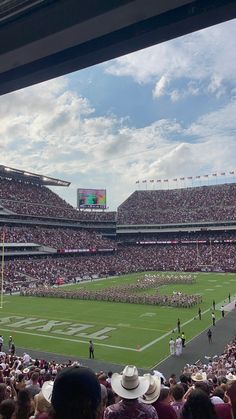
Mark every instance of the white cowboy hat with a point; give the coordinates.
(153, 391)
(47, 390)
(199, 376)
(129, 385)
(230, 377)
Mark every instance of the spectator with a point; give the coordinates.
(163, 405)
(129, 387)
(198, 406)
(7, 409)
(177, 393)
(76, 394)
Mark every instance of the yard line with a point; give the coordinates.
(168, 333)
(69, 340)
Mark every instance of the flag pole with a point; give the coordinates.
(2, 276)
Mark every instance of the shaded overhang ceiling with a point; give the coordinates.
(43, 39)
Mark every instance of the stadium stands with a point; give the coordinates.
(39, 201)
(29, 386)
(59, 238)
(199, 204)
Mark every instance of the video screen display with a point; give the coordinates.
(91, 198)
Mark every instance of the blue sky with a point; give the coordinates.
(163, 112)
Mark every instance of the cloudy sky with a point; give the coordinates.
(163, 112)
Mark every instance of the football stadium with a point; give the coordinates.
(126, 312)
(121, 279)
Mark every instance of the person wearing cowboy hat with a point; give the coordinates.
(130, 387)
(230, 377)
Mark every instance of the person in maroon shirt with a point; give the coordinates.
(163, 407)
(130, 387)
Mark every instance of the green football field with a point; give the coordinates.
(122, 333)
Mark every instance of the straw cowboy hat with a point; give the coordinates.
(230, 377)
(47, 390)
(129, 385)
(199, 376)
(153, 391)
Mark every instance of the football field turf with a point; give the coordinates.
(122, 333)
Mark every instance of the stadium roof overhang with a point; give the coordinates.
(25, 176)
(43, 39)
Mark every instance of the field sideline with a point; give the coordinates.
(122, 333)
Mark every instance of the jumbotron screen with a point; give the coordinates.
(91, 198)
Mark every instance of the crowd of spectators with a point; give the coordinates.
(131, 293)
(58, 238)
(44, 389)
(36, 200)
(133, 258)
(198, 204)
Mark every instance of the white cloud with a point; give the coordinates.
(205, 58)
(51, 129)
(160, 87)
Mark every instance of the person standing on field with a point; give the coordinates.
(172, 346)
(183, 338)
(213, 319)
(209, 335)
(178, 325)
(200, 314)
(214, 305)
(91, 349)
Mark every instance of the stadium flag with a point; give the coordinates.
(214, 174)
(223, 174)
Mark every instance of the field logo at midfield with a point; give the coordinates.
(62, 328)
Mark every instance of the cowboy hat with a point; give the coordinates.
(129, 385)
(199, 376)
(153, 391)
(231, 377)
(47, 390)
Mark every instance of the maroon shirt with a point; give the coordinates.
(165, 411)
(223, 411)
(130, 409)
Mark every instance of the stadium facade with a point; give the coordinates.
(46, 240)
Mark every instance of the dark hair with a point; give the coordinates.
(177, 392)
(23, 405)
(202, 385)
(164, 393)
(76, 394)
(7, 408)
(3, 392)
(231, 392)
(219, 392)
(198, 406)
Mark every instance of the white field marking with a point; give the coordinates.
(208, 289)
(169, 356)
(68, 340)
(190, 340)
(169, 333)
(212, 280)
(218, 286)
(226, 282)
